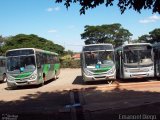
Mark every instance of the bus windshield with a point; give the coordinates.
(20, 64)
(104, 58)
(141, 56)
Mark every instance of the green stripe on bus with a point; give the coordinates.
(23, 75)
(56, 67)
(100, 70)
(46, 68)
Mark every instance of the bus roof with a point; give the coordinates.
(98, 44)
(98, 47)
(130, 44)
(35, 49)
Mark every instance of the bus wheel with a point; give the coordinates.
(4, 77)
(110, 82)
(43, 80)
(44, 77)
(12, 87)
(85, 83)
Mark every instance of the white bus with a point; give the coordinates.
(156, 48)
(98, 62)
(135, 61)
(30, 66)
(2, 69)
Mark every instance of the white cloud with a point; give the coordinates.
(57, 8)
(154, 17)
(151, 19)
(145, 21)
(52, 31)
(50, 9)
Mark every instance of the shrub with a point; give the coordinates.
(70, 63)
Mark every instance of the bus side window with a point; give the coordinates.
(52, 59)
(45, 58)
(57, 59)
(38, 59)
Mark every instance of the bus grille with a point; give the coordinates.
(100, 76)
(138, 70)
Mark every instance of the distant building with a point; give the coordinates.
(76, 56)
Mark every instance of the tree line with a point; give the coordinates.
(107, 33)
(116, 34)
(28, 41)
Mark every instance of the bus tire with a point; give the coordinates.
(13, 87)
(43, 80)
(44, 76)
(85, 83)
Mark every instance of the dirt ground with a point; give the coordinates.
(98, 100)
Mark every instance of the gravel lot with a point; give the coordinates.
(98, 98)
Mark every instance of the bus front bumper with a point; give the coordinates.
(21, 83)
(138, 75)
(99, 77)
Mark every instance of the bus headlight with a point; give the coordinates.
(10, 78)
(34, 76)
(111, 71)
(88, 73)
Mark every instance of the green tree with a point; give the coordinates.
(112, 33)
(31, 41)
(136, 5)
(145, 38)
(1, 39)
(69, 52)
(155, 35)
(152, 37)
(2, 43)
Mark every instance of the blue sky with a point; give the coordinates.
(54, 22)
